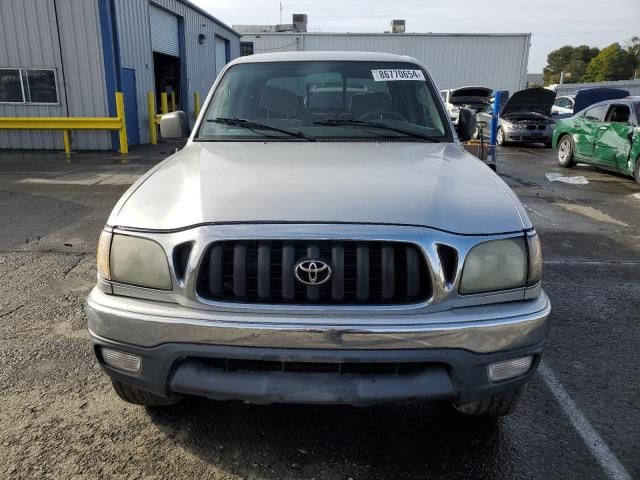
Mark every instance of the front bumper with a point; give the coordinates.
(455, 346)
(528, 136)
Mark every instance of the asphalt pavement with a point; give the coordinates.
(59, 417)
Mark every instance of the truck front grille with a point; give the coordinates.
(262, 271)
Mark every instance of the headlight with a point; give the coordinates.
(514, 126)
(495, 265)
(139, 261)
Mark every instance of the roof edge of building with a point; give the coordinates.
(201, 11)
(389, 34)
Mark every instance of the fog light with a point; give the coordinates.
(509, 368)
(121, 360)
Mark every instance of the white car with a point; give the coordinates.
(563, 105)
(475, 98)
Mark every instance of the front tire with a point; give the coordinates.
(501, 138)
(565, 152)
(498, 405)
(141, 397)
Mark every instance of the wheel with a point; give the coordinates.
(498, 405)
(547, 144)
(565, 152)
(141, 397)
(501, 139)
(636, 172)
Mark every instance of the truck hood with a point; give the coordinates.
(426, 184)
(539, 100)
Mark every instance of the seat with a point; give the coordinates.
(283, 103)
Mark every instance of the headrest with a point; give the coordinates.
(279, 100)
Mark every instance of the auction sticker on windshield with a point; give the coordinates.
(396, 74)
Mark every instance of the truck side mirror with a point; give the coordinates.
(174, 125)
(466, 124)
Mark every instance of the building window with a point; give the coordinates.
(22, 85)
(246, 48)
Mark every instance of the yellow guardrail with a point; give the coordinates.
(67, 124)
(154, 118)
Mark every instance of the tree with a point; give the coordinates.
(633, 47)
(612, 63)
(571, 60)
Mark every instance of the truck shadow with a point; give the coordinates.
(295, 441)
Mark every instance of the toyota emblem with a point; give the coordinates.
(312, 272)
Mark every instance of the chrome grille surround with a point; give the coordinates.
(444, 292)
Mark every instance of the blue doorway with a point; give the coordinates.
(130, 105)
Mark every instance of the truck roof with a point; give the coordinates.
(324, 56)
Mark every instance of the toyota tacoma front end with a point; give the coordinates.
(322, 238)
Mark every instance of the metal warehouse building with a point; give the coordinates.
(69, 57)
(498, 61)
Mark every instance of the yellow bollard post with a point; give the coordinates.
(124, 146)
(196, 103)
(164, 106)
(151, 111)
(67, 143)
(173, 101)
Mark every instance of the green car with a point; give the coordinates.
(606, 135)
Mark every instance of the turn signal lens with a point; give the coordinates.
(509, 368)
(104, 246)
(535, 259)
(121, 360)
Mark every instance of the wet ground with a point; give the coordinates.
(60, 419)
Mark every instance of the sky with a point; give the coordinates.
(552, 23)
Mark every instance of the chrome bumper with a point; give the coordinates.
(480, 329)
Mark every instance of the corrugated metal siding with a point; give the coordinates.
(135, 50)
(497, 61)
(29, 39)
(134, 34)
(84, 68)
(164, 32)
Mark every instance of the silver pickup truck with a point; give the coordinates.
(322, 238)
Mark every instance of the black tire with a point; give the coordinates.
(565, 152)
(498, 405)
(500, 138)
(141, 397)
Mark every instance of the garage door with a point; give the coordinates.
(164, 32)
(221, 54)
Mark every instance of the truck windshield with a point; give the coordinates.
(325, 100)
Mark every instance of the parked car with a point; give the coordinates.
(606, 135)
(474, 98)
(347, 253)
(563, 105)
(525, 118)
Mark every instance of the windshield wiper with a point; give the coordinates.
(241, 122)
(366, 123)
